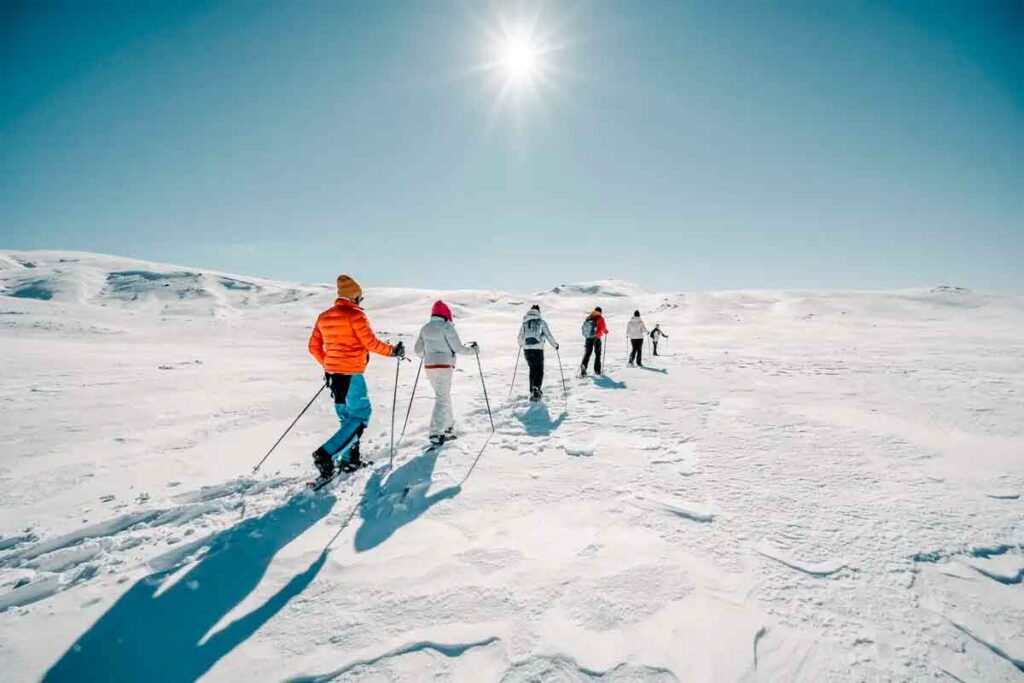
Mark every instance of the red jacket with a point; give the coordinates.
(342, 339)
(602, 328)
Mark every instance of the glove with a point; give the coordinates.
(474, 346)
(557, 347)
(399, 350)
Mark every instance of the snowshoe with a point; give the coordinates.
(342, 473)
(351, 465)
(438, 440)
(319, 482)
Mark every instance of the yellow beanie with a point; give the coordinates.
(349, 288)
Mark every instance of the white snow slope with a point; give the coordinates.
(806, 486)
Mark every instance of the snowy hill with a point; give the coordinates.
(806, 486)
(92, 279)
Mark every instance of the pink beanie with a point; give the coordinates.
(441, 308)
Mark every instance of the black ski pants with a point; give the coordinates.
(592, 346)
(535, 359)
(636, 353)
(654, 343)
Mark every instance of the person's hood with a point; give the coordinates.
(531, 314)
(346, 303)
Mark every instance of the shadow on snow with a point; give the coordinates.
(400, 501)
(536, 420)
(607, 382)
(153, 635)
(662, 371)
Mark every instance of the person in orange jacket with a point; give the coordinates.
(341, 342)
(594, 331)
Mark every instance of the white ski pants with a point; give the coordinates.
(442, 418)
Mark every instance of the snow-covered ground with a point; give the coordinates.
(807, 486)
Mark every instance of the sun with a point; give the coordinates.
(519, 57)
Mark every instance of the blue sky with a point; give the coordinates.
(683, 145)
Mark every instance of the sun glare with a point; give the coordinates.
(522, 62)
(519, 57)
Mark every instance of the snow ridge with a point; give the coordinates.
(443, 649)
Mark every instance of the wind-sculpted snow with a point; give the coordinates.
(822, 568)
(803, 486)
(365, 666)
(560, 668)
(693, 511)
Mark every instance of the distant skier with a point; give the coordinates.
(657, 334)
(594, 331)
(532, 335)
(635, 332)
(341, 342)
(437, 345)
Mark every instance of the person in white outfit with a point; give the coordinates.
(532, 335)
(635, 332)
(438, 344)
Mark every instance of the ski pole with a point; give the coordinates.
(515, 370)
(484, 384)
(565, 392)
(404, 425)
(409, 409)
(394, 404)
(281, 438)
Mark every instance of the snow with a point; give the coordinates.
(806, 486)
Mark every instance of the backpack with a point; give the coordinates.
(590, 328)
(531, 332)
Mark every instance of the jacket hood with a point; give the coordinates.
(531, 314)
(346, 303)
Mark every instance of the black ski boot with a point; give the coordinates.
(324, 463)
(354, 461)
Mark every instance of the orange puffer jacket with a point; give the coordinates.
(342, 339)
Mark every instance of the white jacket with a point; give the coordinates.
(439, 342)
(635, 328)
(534, 327)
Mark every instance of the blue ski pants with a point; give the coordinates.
(352, 404)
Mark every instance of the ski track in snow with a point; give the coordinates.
(794, 491)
